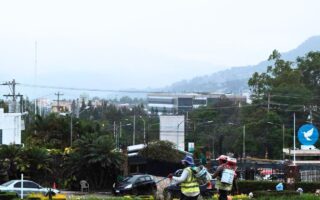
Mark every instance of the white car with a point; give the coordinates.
(28, 188)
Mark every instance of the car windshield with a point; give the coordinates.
(7, 183)
(129, 179)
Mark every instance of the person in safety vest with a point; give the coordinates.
(222, 187)
(189, 186)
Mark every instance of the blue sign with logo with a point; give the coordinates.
(308, 134)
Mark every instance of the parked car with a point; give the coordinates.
(28, 188)
(173, 191)
(275, 177)
(136, 184)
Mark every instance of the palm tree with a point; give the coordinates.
(37, 163)
(10, 158)
(94, 160)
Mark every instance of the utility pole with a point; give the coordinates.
(134, 129)
(12, 86)
(114, 129)
(244, 142)
(294, 138)
(58, 100)
(268, 102)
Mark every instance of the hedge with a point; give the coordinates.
(245, 187)
(8, 196)
(259, 194)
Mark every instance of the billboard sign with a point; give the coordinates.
(308, 135)
(172, 129)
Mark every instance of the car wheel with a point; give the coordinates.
(167, 195)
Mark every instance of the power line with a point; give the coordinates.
(90, 89)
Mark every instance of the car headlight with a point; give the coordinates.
(128, 186)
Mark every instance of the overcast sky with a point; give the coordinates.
(138, 44)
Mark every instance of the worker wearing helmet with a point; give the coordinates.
(189, 186)
(222, 188)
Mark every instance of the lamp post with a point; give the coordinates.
(144, 130)
(243, 138)
(244, 142)
(283, 131)
(195, 128)
(120, 133)
(178, 133)
(71, 122)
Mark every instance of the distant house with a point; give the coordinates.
(10, 128)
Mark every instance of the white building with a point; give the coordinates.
(10, 128)
(175, 103)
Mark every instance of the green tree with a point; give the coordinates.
(11, 160)
(94, 159)
(37, 163)
(162, 150)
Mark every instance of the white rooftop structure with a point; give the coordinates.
(10, 128)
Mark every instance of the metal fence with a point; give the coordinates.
(310, 175)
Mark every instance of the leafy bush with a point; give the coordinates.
(298, 197)
(246, 187)
(162, 150)
(309, 187)
(260, 194)
(8, 196)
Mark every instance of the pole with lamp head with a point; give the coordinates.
(71, 123)
(144, 130)
(178, 133)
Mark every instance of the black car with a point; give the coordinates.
(136, 184)
(174, 190)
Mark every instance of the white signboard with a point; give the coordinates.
(172, 129)
(10, 124)
(191, 147)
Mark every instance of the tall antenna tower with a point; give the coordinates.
(35, 75)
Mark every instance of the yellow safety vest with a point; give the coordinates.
(190, 185)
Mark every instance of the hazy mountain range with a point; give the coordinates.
(236, 78)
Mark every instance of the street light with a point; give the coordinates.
(195, 127)
(144, 130)
(178, 133)
(283, 131)
(71, 121)
(120, 133)
(243, 138)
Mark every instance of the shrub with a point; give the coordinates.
(8, 196)
(309, 187)
(260, 194)
(246, 187)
